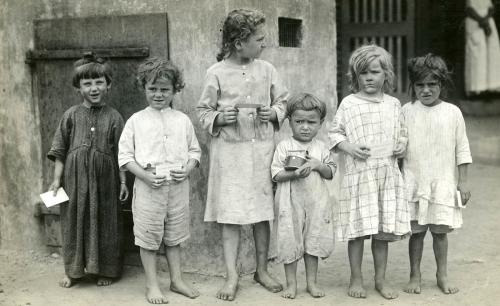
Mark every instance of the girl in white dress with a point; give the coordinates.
(437, 145)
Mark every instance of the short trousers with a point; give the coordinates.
(433, 228)
(160, 214)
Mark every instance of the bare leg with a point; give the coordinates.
(311, 263)
(230, 242)
(153, 292)
(355, 250)
(67, 282)
(291, 281)
(177, 284)
(262, 276)
(415, 249)
(379, 250)
(440, 245)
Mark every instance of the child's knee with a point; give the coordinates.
(439, 236)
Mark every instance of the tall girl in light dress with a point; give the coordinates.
(241, 107)
(368, 129)
(437, 145)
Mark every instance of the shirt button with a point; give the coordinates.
(244, 67)
(248, 97)
(253, 139)
(92, 129)
(250, 115)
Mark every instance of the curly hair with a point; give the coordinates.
(307, 102)
(154, 67)
(362, 57)
(429, 65)
(90, 67)
(239, 25)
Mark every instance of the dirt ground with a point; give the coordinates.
(29, 278)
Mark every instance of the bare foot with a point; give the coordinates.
(442, 283)
(267, 281)
(181, 287)
(413, 285)
(356, 289)
(315, 291)
(228, 291)
(104, 281)
(290, 291)
(67, 282)
(154, 295)
(385, 291)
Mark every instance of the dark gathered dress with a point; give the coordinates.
(86, 140)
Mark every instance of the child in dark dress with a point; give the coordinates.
(85, 151)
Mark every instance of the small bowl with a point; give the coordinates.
(293, 162)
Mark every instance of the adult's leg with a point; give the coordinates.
(355, 251)
(311, 263)
(440, 246)
(291, 280)
(380, 250)
(230, 243)
(261, 234)
(153, 292)
(415, 249)
(177, 283)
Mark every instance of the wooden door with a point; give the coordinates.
(387, 23)
(125, 41)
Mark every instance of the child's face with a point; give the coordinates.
(93, 90)
(254, 45)
(428, 90)
(372, 79)
(305, 124)
(160, 93)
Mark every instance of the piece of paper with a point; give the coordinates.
(381, 150)
(50, 200)
(459, 200)
(164, 169)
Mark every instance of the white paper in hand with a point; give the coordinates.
(50, 200)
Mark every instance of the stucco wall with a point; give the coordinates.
(193, 36)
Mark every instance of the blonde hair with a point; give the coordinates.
(362, 57)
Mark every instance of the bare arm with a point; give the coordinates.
(463, 186)
(58, 171)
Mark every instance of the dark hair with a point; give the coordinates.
(91, 67)
(239, 25)
(307, 102)
(362, 57)
(429, 65)
(154, 67)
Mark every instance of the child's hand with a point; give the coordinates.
(229, 115)
(359, 151)
(265, 113)
(153, 180)
(303, 171)
(464, 192)
(123, 192)
(314, 163)
(54, 186)
(179, 175)
(400, 150)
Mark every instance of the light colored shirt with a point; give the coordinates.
(157, 137)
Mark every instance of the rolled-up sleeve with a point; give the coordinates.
(462, 149)
(126, 146)
(207, 105)
(337, 133)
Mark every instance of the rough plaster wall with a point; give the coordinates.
(193, 35)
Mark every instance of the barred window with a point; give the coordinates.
(290, 32)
